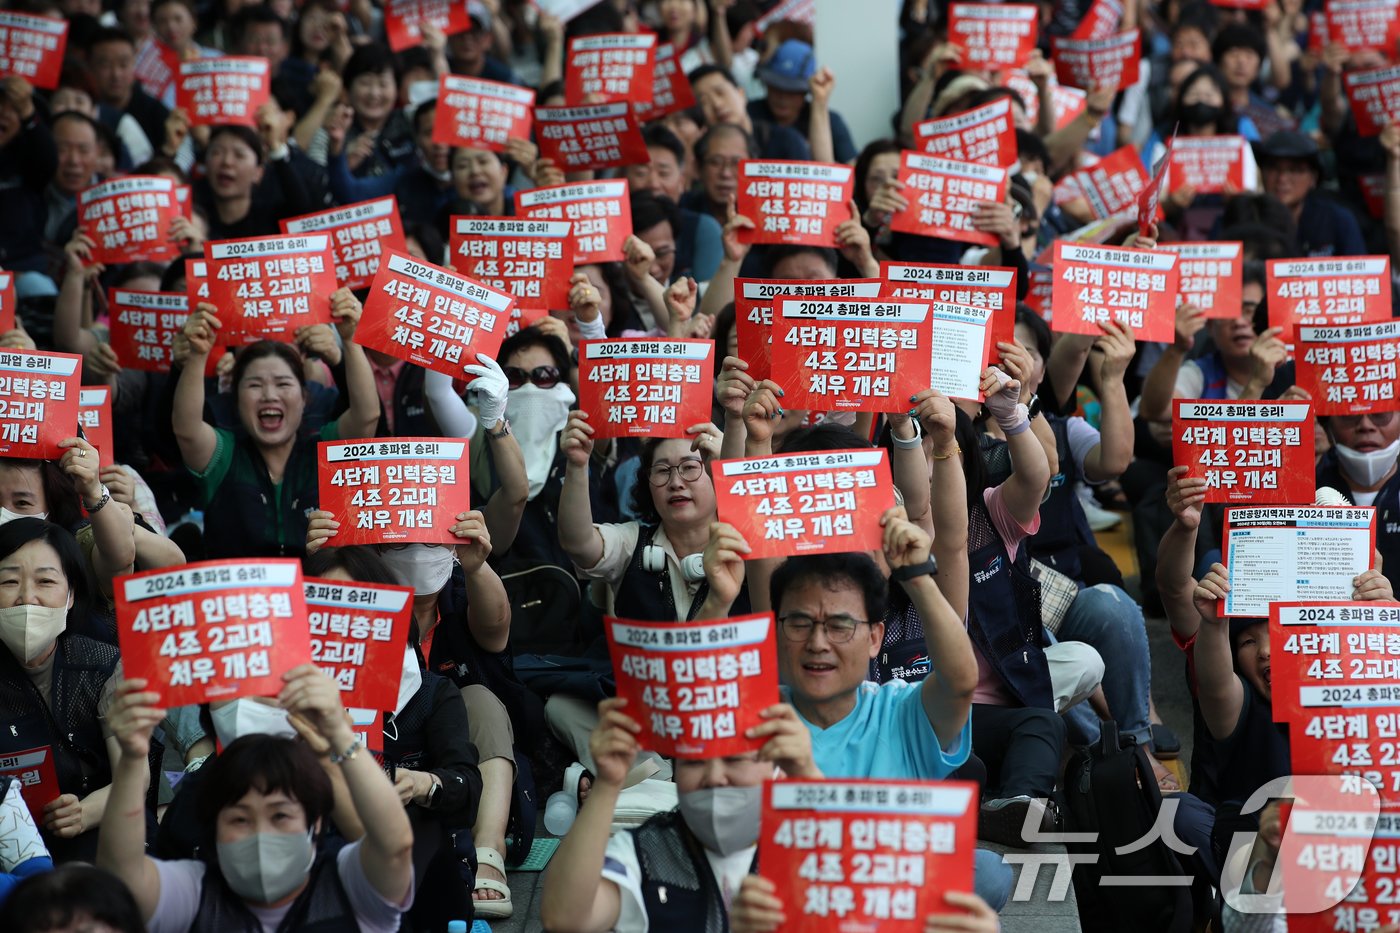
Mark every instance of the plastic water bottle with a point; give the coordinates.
(560, 811)
(456, 926)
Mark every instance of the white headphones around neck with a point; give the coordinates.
(654, 561)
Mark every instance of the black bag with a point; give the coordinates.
(545, 610)
(1110, 790)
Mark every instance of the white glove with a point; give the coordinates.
(1003, 404)
(491, 390)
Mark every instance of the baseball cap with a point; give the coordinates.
(790, 68)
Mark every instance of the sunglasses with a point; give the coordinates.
(545, 377)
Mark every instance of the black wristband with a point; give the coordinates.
(913, 571)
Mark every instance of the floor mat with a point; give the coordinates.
(541, 851)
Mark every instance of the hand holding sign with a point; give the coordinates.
(314, 698)
(613, 743)
(723, 560)
(133, 716)
(789, 744)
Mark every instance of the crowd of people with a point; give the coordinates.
(986, 639)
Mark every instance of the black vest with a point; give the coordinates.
(242, 518)
(322, 907)
(1064, 529)
(1003, 612)
(1387, 513)
(678, 887)
(81, 667)
(646, 596)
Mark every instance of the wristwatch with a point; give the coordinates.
(503, 432)
(914, 571)
(1034, 407)
(434, 790)
(101, 502)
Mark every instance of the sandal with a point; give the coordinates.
(1166, 779)
(492, 908)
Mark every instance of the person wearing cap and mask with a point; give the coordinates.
(681, 869)
(1361, 466)
(1290, 165)
(789, 75)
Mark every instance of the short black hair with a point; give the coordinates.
(828, 435)
(244, 134)
(1040, 331)
(702, 145)
(362, 563)
(777, 254)
(642, 505)
(867, 157)
(430, 238)
(830, 571)
(262, 15)
(109, 34)
(1239, 36)
(426, 108)
(527, 337)
(704, 71)
(285, 352)
(659, 136)
(1031, 146)
(55, 899)
(650, 210)
(368, 59)
(18, 532)
(82, 118)
(265, 763)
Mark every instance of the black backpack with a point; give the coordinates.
(1110, 790)
(546, 605)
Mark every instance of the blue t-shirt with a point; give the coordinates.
(887, 736)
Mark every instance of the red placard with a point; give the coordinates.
(993, 36)
(432, 317)
(156, 65)
(1100, 21)
(214, 630)
(1112, 184)
(1042, 287)
(358, 635)
(1284, 553)
(1373, 193)
(143, 326)
(1363, 25)
(1375, 98)
(670, 88)
(1251, 451)
(1326, 292)
(1110, 62)
(695, 688)
(1211, 164)
(1095, 284)
(402, 19)
(8, 321)
(581, 139)
(991, 287)
(610, 67)
(794, 202)
(95, 418)
(216, 91)
(753, 311)
(851, 354)
(1352, 369)
(479, 114)
(797, 11)
(984, 134)
(600, 212)
(38, 402)
(807, 503)
(34, 769)
(361, 234)
(1211, 276)
(196, 281)
(398, 491)
(1330, 657)
(646, 388)
(867, 855)
(129, 219)
(943, 195)
(267, 287)
(32, 47)
(1069, 102)
(530, 259)
(1148, 202)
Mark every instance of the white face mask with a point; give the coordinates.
(536, 418)
(426, 569)
(246, 716)
(29, 631)
(7, 516)
(410, 681)
(1368, 468)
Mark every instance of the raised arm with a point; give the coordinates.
(121, 842)
(1176, 555)
(196, 438)
(577, 536)
(821, 84)
(1219, 688)
(1068, 354)
(69, 334)
(488, 607)
(1111, 456)
(909, 466)
(1159, 388)
(1066, 143)
(506, 506)
(1390, 142)
(113, 524)
(947, 495)
(1030, 467)
(720, 291)
(732, 387)
(362, 417)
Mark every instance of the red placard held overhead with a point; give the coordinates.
(992, 287)
(95, 418)
(1375, 98)
(581, 139)
(753, 311)
(32, 47)
(403, 19)
(851, 354)
(215, 91)
(1100, 21)
(1314, 645)
(129, 219)
(1211, 276)
(431, 316)
(479, 114)
(196, 281)
(361, 234)
(7, 302)
(1352, 369)
(1069, 102)
(1095, 284)
(645, 388)
(397, 491)
(610, 67)
(1111, 62)
(670, 88)
(1363, 25)
(867, 855)
(943, 195)
(269, 286)
(984, 134)
(600, 212)
(1324, 292)
(794, 202)
(1251, 451)
(993, 36)
(806, 503)
(530, 259)
(1211, 164)
(1112, 184)
(358, 635)
(38, 402)
(214, 630)
(695, 688)
(156, 64)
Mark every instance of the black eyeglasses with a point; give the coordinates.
(798, 627)
(689, 470)
(545, 377)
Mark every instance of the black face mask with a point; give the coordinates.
(1199, 114)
